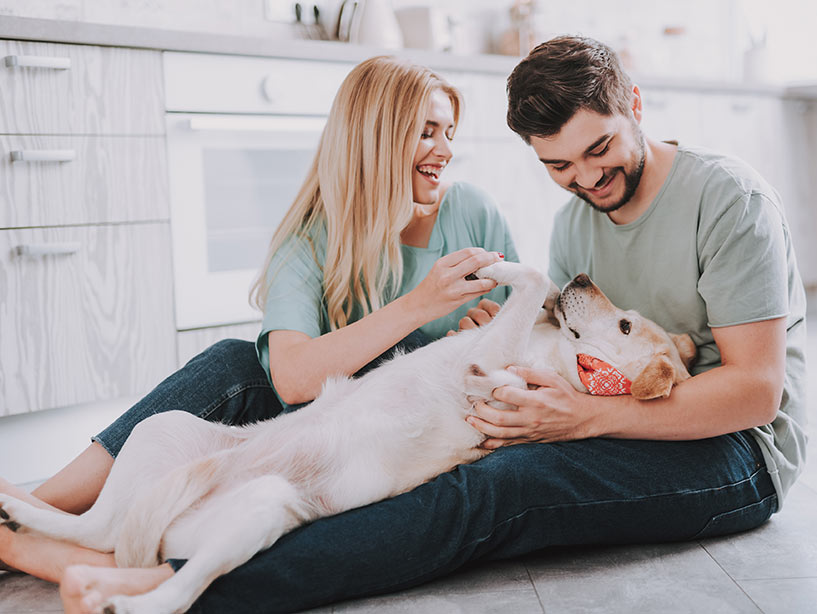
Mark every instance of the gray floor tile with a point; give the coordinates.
(20, 593)
(518, 601)
(785, 547)
(797, 596)
(492, 577)
(677, 578)
(503, 585)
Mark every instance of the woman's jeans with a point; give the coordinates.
(516, 500)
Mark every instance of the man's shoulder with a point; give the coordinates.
(714, 170)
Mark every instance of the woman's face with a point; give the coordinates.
(433, 150)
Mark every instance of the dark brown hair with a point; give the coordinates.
(560, 77)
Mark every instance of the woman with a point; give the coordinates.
(373, 253)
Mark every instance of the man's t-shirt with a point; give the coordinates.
(467, 217)
(713, 250)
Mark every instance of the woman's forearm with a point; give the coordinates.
(299, 365)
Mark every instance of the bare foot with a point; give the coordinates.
(85, 589)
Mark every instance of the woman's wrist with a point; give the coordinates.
(412, 309)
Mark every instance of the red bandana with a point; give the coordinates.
(600, 378)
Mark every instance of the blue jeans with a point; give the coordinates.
(516, 500)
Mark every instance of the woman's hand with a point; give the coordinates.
(445, 287)
(550, 410)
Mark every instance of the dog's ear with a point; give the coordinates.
(655, 380)
(550, 303)
(686, 348)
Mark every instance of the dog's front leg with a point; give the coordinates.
(232, 529)
(505, 338)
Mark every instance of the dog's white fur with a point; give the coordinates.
(186, 488)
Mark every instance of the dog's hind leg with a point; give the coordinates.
(93, 529)
(229, 532)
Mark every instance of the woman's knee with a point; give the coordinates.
(233, 359)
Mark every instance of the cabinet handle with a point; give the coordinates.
(36, 61)
(48, 249)
(43, 155)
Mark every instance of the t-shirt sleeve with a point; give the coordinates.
(295, 294)
(742, 258)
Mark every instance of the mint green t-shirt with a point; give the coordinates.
(467, 217)
(712, 250)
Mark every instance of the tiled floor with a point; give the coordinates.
(771, 570)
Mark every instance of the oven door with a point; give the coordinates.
(232, 179)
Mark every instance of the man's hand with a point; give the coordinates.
(484, 312)
(550, 410)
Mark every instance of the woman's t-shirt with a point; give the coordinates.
(467, 217)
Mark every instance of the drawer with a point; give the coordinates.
(86, 326)
(104, 90)
(106, 179)
(197, 82)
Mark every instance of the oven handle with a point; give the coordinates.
(288, 123)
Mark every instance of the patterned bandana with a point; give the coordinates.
(600, 378)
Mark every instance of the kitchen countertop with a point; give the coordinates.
(66, 31)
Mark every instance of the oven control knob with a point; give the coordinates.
(268, 88)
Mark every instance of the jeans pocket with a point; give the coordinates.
(741, 519)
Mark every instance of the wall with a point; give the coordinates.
(694, 38)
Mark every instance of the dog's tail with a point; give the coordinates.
(140, 538)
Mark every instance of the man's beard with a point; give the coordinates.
(631, 179)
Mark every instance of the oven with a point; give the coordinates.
(241, 135)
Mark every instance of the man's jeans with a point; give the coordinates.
(516, 500)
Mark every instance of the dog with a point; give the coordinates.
(362, 440)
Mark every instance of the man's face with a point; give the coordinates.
(600, 158)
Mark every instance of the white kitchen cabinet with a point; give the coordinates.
(85, 315)
(108, 179)
(671, 115)
(48, 88)
(86, 304)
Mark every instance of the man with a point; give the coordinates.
(694, 241)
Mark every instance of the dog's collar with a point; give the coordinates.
(601, 378)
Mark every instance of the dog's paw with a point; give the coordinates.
(118, 604)
(8, 513)
(480, 385)
(515, 274)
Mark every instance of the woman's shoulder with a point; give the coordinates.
(306, 244)
(467, 200)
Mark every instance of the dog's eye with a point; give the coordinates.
(624, 326)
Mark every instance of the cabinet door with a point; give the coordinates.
(48, 88)
(672, 115)
(92, 179)
(193, 342)
(85, 316)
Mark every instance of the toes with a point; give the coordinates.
(13, 526)
(4, 514)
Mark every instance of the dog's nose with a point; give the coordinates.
(582, 280)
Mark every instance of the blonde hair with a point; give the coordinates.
(360, 185)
